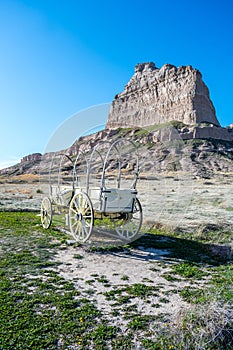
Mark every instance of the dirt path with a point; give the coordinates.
(132, 282)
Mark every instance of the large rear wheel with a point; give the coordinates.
(128, 225)
(81, 217)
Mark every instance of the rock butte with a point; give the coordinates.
(157, 96)
(176, 102)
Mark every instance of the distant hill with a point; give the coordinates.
(160, 150)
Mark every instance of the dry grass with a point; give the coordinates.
(10, 190)
(28, 178)
(210, 325)
(24, 191)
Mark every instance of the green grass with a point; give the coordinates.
(78, 256)
(188, 270)
(139, 322)
(125, 278)
(140, 290)
(220, 287)
(39, 309)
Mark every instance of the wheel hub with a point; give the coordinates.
(79, 217)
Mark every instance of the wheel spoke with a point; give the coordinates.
(129, 227)
(84, 203)
(76, 206)
(84, 229)
(83, 232)
(75, 226)
(81, 217)
(85, 210)
(46, 212)
(74, 211)
(87, 217)
(85, 223)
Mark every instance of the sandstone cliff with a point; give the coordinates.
(31, 157)
(157, 96)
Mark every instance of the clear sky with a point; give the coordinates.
(58, 57)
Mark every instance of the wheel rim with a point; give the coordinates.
(81, 217)
(130, 225)
(46, 212)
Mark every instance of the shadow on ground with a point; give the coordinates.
(151, 247)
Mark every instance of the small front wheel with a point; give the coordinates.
(46, 212)
(81, 217)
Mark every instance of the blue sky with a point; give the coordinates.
(60, 57)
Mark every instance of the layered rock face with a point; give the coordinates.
(158, 153)
(31, 157)
(157, 96)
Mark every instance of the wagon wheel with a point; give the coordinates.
(46, 212)
(81, 217)
(129, 225)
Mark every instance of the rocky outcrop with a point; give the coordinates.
(157, 96)
(28, 165)
(206, 132)
(161, 151)
(31, 157)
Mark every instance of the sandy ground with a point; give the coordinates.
(16, 196)
(97, 274)
(174, 201)
(188, 203)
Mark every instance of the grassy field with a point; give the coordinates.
(40, 309)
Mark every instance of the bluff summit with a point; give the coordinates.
(160, 95)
